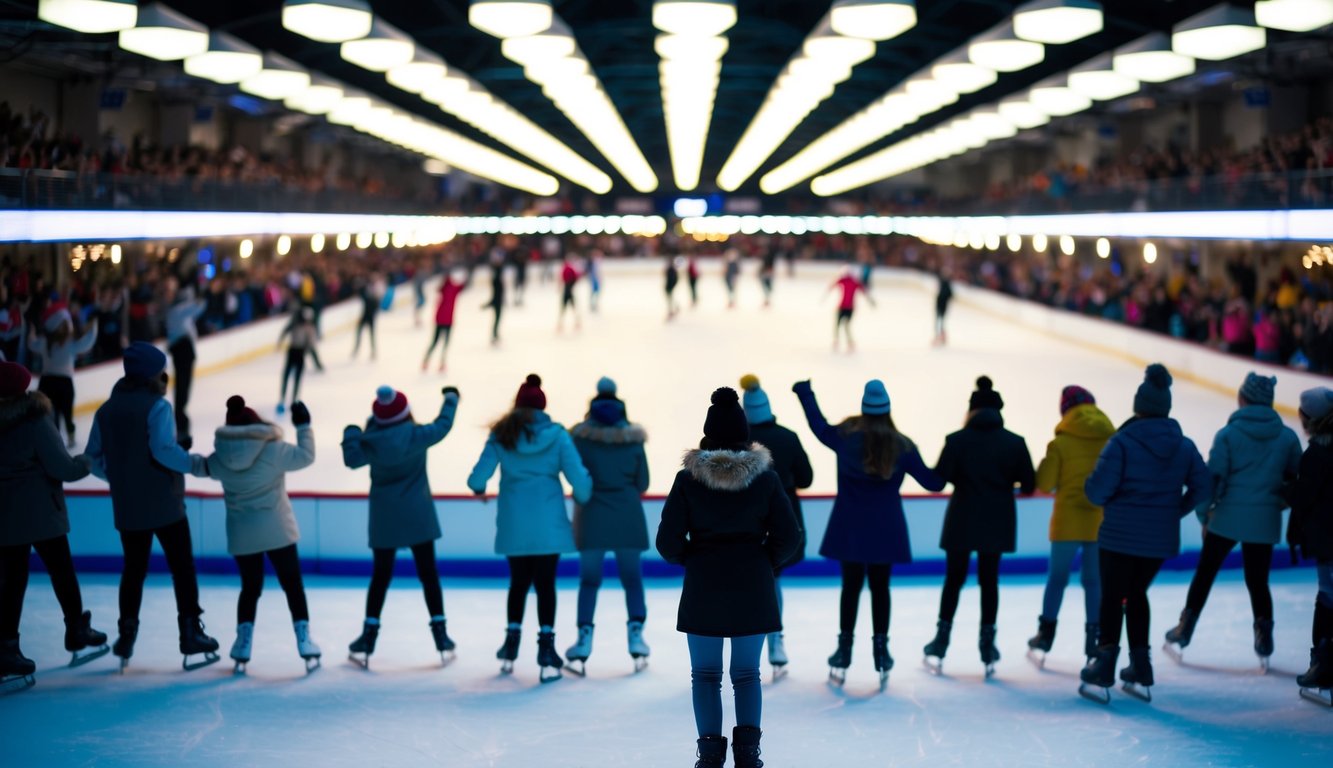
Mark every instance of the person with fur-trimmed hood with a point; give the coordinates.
(251, 460)
(1310, 531)
(33, 465)
(611, 449)
(727, 519)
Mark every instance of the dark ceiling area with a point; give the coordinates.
(617, 38)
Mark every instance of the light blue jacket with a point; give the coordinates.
(532, 517)
(1252, 456)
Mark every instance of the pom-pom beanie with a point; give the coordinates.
(1258, 390)
(1317, 403)
(985, 396)
(14, 380)
(1154, 395)
(530, 394)
(56, 315)
(755, 400)
(726, 426)
(238, 415)
(875, 399)
(390, 406)
(1074, 395)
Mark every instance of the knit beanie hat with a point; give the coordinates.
(725, 425)
(144, 361)
(985, 396)
(1317, 403)
(56, 315)
(606, 408)
(1154, 395)
(1074, 395)
(1258, 390)
(390, 406)
(530, 394)
(238, 415)
(755, 400)
(14, 380)
(606, 387)
(875, 399)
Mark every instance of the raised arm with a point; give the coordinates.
(85, 343)
(426, 435)
(824, 432)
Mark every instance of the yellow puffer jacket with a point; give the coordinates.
(1070, 457)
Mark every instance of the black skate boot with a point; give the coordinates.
(548, 660)
(1317, 682)
(883, 661)
(745, 746)
(1098, 677)
(509, 651)
(936, 648)
(1137, 677)
(195, 643)
(712, 752)
(840, 660)
(124, 647)
(1178, 637)
(1092, 632)
(362, 648)
(79, 636)
(16, 670)
(1040, 644)
(1263, 641)
(443, 643)
(989, 653)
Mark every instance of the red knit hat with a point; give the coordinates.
(55, 315)
(390, 406)
(530, 395)
(14, 380)
(238, 415)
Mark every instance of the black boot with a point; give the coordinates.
(547, 659)
(12, 661)
(129, 633)
(842, 657)
(1320, 673)
(883, 661)
(443, 643)
(986, 644)
(940, 645)
(1101, 670)
(508, 652)
(361, 649)
(1045, 637)
(79, 633)
(194, 642)
(1263, 638)
(1092, 633)
(1181, 634)
(1138, 677)
(745, 746)
(712, 752)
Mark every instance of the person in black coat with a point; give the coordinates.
(984, 462)
(1310, 530)
(942, 299)
(793, 467)
(729, 522)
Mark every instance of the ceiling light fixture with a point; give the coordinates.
(89, 16)
(872, 19)
(1057, 22)
(227, 60)
(1294, 15)
(1098, 80)
(510, 18)
(281, 77)
(695, 18)
(322, 95)
(384, 48)
(1151, 60)
(958, 72)
(1054, 97)
(327, 21)
(689, 85)
(164, 34)
(1001, 50)
(424, 70)
(1221, 32)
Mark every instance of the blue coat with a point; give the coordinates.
(1252, 458)
(532, 518)
(1138, 481)
(402, 510)
(867, 524)
(614, 457)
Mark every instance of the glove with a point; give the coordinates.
(451, 391)
(300, 414)
(351, 430)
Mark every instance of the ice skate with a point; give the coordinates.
(306, 647)
(124, 647)
(1040, 644)
(1092, 633)
(578, 653)
(711, 751)
(1138, 676)
(935, 649)
(1178, 637)
(194, 642)
(1263, 642)
(883, 661)
(777, 655)
(443, 643)
(1317, 681)
(638, 649)
(548, 660)
(840, 659)
(362, 648)
(16, 670)
(240, 650)
(1098, 677)
(989, 653)
(84, 643)
(509, 651)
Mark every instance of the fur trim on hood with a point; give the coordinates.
(17, 410)
(238, 447)
(728, 470)
(629, 434)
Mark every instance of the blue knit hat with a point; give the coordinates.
(755, 400)
(606, 387)
(875, 399)
(1154, 395)
(1258, 390)
(144, 361)
(1317, 403)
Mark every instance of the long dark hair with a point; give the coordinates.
(512, 426)
(883, 442)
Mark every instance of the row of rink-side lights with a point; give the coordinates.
(533, 36)
(78, 254)
(633, 225)
(158, 32)
(1317, 256)
(691, 48)
(845, 37)
(1222, 32)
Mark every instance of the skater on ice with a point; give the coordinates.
(455, 281)
(849, 287)
(183, 311)
(1310, 532)
(569, 278)
(301, 336)
(58, 348)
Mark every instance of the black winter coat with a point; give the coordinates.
(728, 521)
(793, 468)
(33, 464)
(984, 461)
(1311, 525)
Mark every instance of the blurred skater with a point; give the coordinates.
(593, 269)
(59, 349)
(372, 290)
(455, 282)
(497, 301)
(300, 334)
(766, 269)
(692, 275)
(731, 273)
(943, 295)
(183, 311)
(849, 287)
(569, 278)
(673, 264)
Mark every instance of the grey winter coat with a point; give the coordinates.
(1252, 459)
(252, 462)
(33, 464)
(613, 518)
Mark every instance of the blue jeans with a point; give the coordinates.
(590, 580)
(1325, 570)
(706, 677)
(1062, 562)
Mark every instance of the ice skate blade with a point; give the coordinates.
(447, 658)
(1037, 657)
(78, 660)
(1265, 665)
(312, 663)
(239, 669)
(935, 667)
(883, 680)
(640, 664)
(1095, 693)
(362, 661)
(1322, 696)
(577, 667)
(779, 672)
(506, 667)
(550, 674)
(1140, 692)
(124, 662)
(16, 683)
(837, 676)
(209, 657)
(1176, 652)
(990, 670)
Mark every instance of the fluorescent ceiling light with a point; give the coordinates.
(536, 50)
(510, 18)
(825, 44)
(281, 77)
(447, 87)
(930, 94)
(1222, 32)
(1097, 79)
(415, 76)
(89, 16)
(700, 18)
(349, 109)
(383, 49)
(1057, 22)
(872, 19)
(1022, 113)
(559, 70)
(164, 34)
(960, 74)
(227, 60)
(1001, 50)
(1151, 60)
(991, 124)
(680, 47)
(1294, 15)
(1057, 99)
(322, 95)
(328, 21)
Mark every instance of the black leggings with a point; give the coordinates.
(295, 368)
(367, 323)
(14, 581)
(287, 566)
(1257, 558)
(988, 578)
(498, 306)
(382, 574)
(441, 333)
(182, 363)
(532, 571)
(853, 576)
(176, 545)
(60, 391)
(1125, 582)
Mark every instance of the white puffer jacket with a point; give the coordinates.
(251, 462)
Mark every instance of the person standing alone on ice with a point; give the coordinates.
(1310, 533)
(727, 520)
(849, 286)
(182, 311)
(455, 282)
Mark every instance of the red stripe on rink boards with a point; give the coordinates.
(93, 493)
